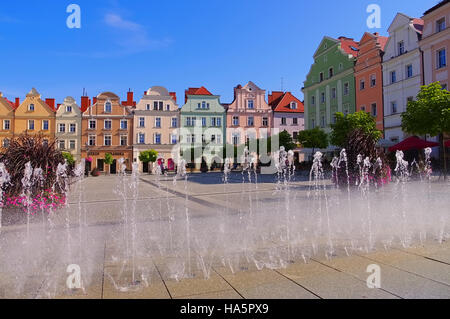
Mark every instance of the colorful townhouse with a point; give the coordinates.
(248, 116)
(7, 121)
(288, 113)
(203, 124)
(369, 77)
(68, 127)
(106, 127)
(34, 116)
(156, 126)
(330, 84)
(402, 72)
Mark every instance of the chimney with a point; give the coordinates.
(17, 103)
(94, 100)
(57, 106)
(174, 96)
(145, 92)
(85, 102)
(50, 102)
(130, 98)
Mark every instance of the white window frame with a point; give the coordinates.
(104, 107)
(31, 107)
(126, 124)
(63, 125)
(104, 124)
(104, 139)
(89, 124)
(34, 127)
(141, 122)
(74, 126)
(74, 143)
(92, 137)
(9, 124)
(126, 139)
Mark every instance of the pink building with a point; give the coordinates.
(288, 113)
(435, 44)
(248, 116)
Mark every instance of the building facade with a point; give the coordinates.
(68, 128)
(34, 116)
(107, 127)
(248, 116)
(203, 124)
(288, 113)
(156, 125)
(6, 122)
(402, 72)
(330, 84)
(369, 77)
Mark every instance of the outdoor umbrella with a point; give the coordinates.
(412, 142)
(447, 144)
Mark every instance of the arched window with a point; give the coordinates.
(108, 107)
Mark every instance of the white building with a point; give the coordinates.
(402, 72)
(68, 128)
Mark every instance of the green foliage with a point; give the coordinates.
(286, 140)
(69, 158)
(315, 138)
(345, 125)
(430, 113)
(109, 159)
(149, 156)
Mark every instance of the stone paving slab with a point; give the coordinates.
(227, 294)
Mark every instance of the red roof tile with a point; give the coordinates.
(349, 45)
(283, 104)
(418, 25)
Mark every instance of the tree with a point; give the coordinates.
(285, 139)
(69, 158)
(429, 114)
(149, 156)
(345, 125)
(315, 138)
(109, 159)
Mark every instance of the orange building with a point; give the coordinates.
(106, 127)
(34, 116)
(369, 76)
(6, 121)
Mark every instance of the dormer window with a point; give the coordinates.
(293, 105)
(401, 47)
(440, 25)
(31, 107)
(203, 105)
(148, 108)
(330, 72)
(321, 77)
(68, 109)
(250, 104)
(108, 107)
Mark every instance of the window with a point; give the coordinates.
(393, 107)
(155, 106)
(294, 136)
(395, 139)
(168, 107)
(194, 121)
(161, 106)
(313, 100)
(313, 123)
(236, 139)
(107, 141)
(409, 71)
(362, 85)
(6, 142)
(31, 124)
(373, 80)
(409, 99)
(45, 125)
(295, 121)
(441, 59)
(341, 66)
(374, 109)
(142, 122)
(218, 139)
(401, 47)
(393, 77)
(322, 121)
(250, 121)
(92, 124)
(265, 121)
(123, 124)
(346, 88)
(219, 122)
(322, 97)
(203, 105)
(141, 138)
(31, 107)
(6, 124)
(321, 77)
(91, 140)
(108, 124)
(363, 108)
(444, 86)
(62, 128)
(213, 121)
(158, 122)
(147, 107)
(73, 128)
(157, 138)
(108, 107)
(174, 139)
(68, 109)
(250, 104)
(204, 121)
(174, 122)
(440, 25)
(283, 121)
(62, 144)
(330, 72)
(72, 144)
(293, 105)
(333, 93)
(235, 120)
(123, 140)
(213, 139)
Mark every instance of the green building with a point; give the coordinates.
(203, 126)
(330, 85)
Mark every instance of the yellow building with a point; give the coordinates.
(6, 121)
(34, 116)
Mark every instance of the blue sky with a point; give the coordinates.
(177, 44)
